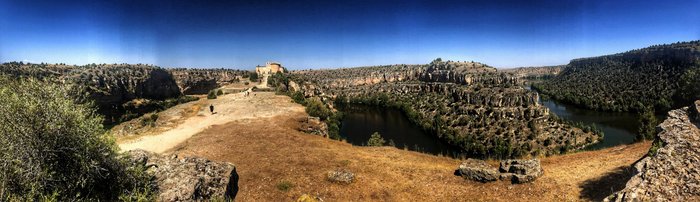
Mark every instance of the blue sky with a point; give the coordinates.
(320, 34)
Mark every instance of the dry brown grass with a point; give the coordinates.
(268, 151)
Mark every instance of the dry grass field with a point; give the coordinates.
(271, 154)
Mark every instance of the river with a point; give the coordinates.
(361, 121)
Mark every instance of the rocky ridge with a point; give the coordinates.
(124, 91)
(670, 172)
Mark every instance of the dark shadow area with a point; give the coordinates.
(599, 188)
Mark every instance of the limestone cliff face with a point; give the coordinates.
(110, 86)
(468, 104)
(201, 81)
(672, 173)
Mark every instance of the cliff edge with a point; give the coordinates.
(669, 173)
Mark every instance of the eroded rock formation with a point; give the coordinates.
(189, 178)
(468, 104)
(517, 171)
(201, 81)
(671, 172)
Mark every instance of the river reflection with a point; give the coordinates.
(361, 121)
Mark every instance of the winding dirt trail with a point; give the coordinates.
(227, 108)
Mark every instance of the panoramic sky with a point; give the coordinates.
(322, 34)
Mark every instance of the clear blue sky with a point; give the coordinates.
(318, 34)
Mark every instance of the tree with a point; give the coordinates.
(690, 85)
(647, 124)
(253, 76)
(211, 95)
(52, 148)
(375, 140)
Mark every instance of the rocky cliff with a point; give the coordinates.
(124, 91)
(468, 104)
(110, 86)
(661, 76)
(671, 172)
(201, 81)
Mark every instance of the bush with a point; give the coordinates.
(298, 97)
(211, 95)
(253, 77)
(284, 186)
(53, 148)
(375, 140)
(149, 119)
(315, 107)
(219, 92)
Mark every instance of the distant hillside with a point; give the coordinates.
(124, 91)
(660, 76)
(468, 104)
(535, 73)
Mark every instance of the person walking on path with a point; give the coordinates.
(211, 108)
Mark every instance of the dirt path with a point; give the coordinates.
(227, 108)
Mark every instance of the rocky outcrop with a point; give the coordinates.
(671, 173)
(517, 171)
(110, 86)
(189, 178)
(341, 176)
(313, 125)
(478, 170)
(201, 81)
(520, 171)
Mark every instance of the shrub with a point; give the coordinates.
(315, 107)
(53, 148)
(149, 119)
(284, 185)
(298, 97)
(219, 92)
(375, 140)
(211, 95)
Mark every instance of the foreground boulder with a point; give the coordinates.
(189, 178)
(478, 170)
(516, 170)
(521, 171)
(671, 171)
(341, 176)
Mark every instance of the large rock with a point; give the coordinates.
(189, 178)
(313, 125)
(341, 176)
(516, 170)
(521, 171)
(478, 170)
(671, 172)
